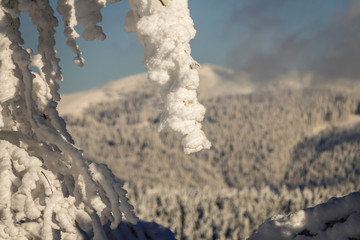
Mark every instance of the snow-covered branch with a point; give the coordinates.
(339, 218)
(165, 28)
(67, 10)
(47, 187)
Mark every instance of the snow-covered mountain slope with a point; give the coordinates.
(266, 129)
(215, 81)
(274, 151)
(76, 103)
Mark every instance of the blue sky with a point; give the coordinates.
(262, 37)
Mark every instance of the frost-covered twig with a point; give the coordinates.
(47, 181)
(89, 16)
(165, 34)
(67, 10)
(162, 3)
(42, 15)
(32, 144)
(77, 196)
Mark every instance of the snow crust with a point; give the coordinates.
(165, 28)
(337, 219)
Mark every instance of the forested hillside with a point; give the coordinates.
(273, 152)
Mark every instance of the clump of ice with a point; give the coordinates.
(67, 10)
(165, 28)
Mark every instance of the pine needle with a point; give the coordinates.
(162, 3)
(48, 182)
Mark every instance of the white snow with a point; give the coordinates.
(165, 29)
(41, 168)
(337, 219)
(88, 16)
(47, 186)
(8, 82)
(67, 10)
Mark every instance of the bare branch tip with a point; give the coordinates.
(162, 3)
(48, 182)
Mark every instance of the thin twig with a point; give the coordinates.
(162, 3)
(48, 182)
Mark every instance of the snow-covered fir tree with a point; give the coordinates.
(48, 189)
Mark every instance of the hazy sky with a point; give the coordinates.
(261, 37)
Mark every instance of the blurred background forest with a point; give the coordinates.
(284, 122)
(275, 150)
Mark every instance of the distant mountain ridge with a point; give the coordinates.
(214, 81)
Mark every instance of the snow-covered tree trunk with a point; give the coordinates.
(48, 189)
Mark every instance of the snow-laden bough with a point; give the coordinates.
(48, 189)
(339, 218)
(165, 28)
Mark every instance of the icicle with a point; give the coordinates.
(89, 16)
(165, 30)
(42, 15)
(8, 81)
(67, 10)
